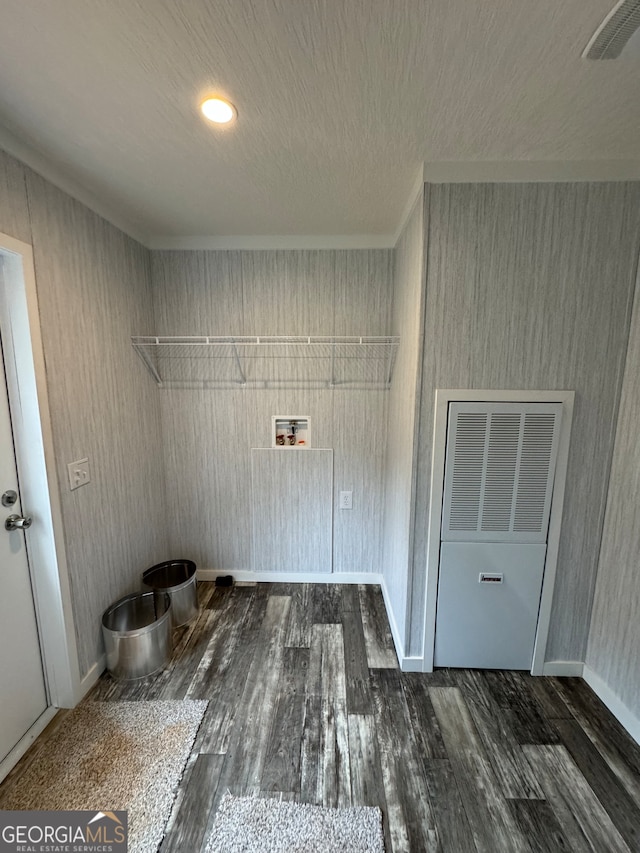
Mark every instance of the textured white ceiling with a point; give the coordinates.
(340, 104)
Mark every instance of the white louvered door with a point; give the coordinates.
(499, 477)
(499, 471)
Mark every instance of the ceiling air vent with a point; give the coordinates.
(615, 32)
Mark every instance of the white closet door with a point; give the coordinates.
(488, 600)
(499, 477)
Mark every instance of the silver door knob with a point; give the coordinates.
(16, 522)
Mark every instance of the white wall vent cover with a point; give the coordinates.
(499, 471)
(615, 32)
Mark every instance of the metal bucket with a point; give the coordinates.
(137, 635)
(177, 578)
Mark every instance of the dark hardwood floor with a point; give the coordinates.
(306, 702)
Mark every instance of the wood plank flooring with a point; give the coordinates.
(306, 702)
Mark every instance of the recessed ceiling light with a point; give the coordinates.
(218, 110)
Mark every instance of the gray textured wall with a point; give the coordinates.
(614, 638)
(209, 434)
(407, 321)
(14, 209)
(530, 286)
(94, 292)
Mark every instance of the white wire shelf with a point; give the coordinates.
(269, 361)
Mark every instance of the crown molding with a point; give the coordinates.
(58, 176)
(294, 241)
(434, 173)
(533, 171)
(417, 191)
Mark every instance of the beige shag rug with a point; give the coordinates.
(249, 825)
(107, 756)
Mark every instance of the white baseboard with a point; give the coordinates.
(395, 633)
(624, 715)
(563, 668)
(412, 664)
(92, 676)
(243, 576)
(407, 664)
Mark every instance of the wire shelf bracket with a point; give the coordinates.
(269, 361)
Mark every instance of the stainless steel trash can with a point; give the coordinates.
(137, 635)
(176, 578)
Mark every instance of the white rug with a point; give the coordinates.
(252, 825)
(107, 756)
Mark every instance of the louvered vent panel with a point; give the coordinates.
(499, 471)
(535, 479)
(468, 461)
(502, 461)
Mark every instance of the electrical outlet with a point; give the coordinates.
(346, 500)
(79, 474)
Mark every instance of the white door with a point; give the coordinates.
(488, 599)
(23, 696)
(499, 478)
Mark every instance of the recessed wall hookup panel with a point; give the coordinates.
(291, 431)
